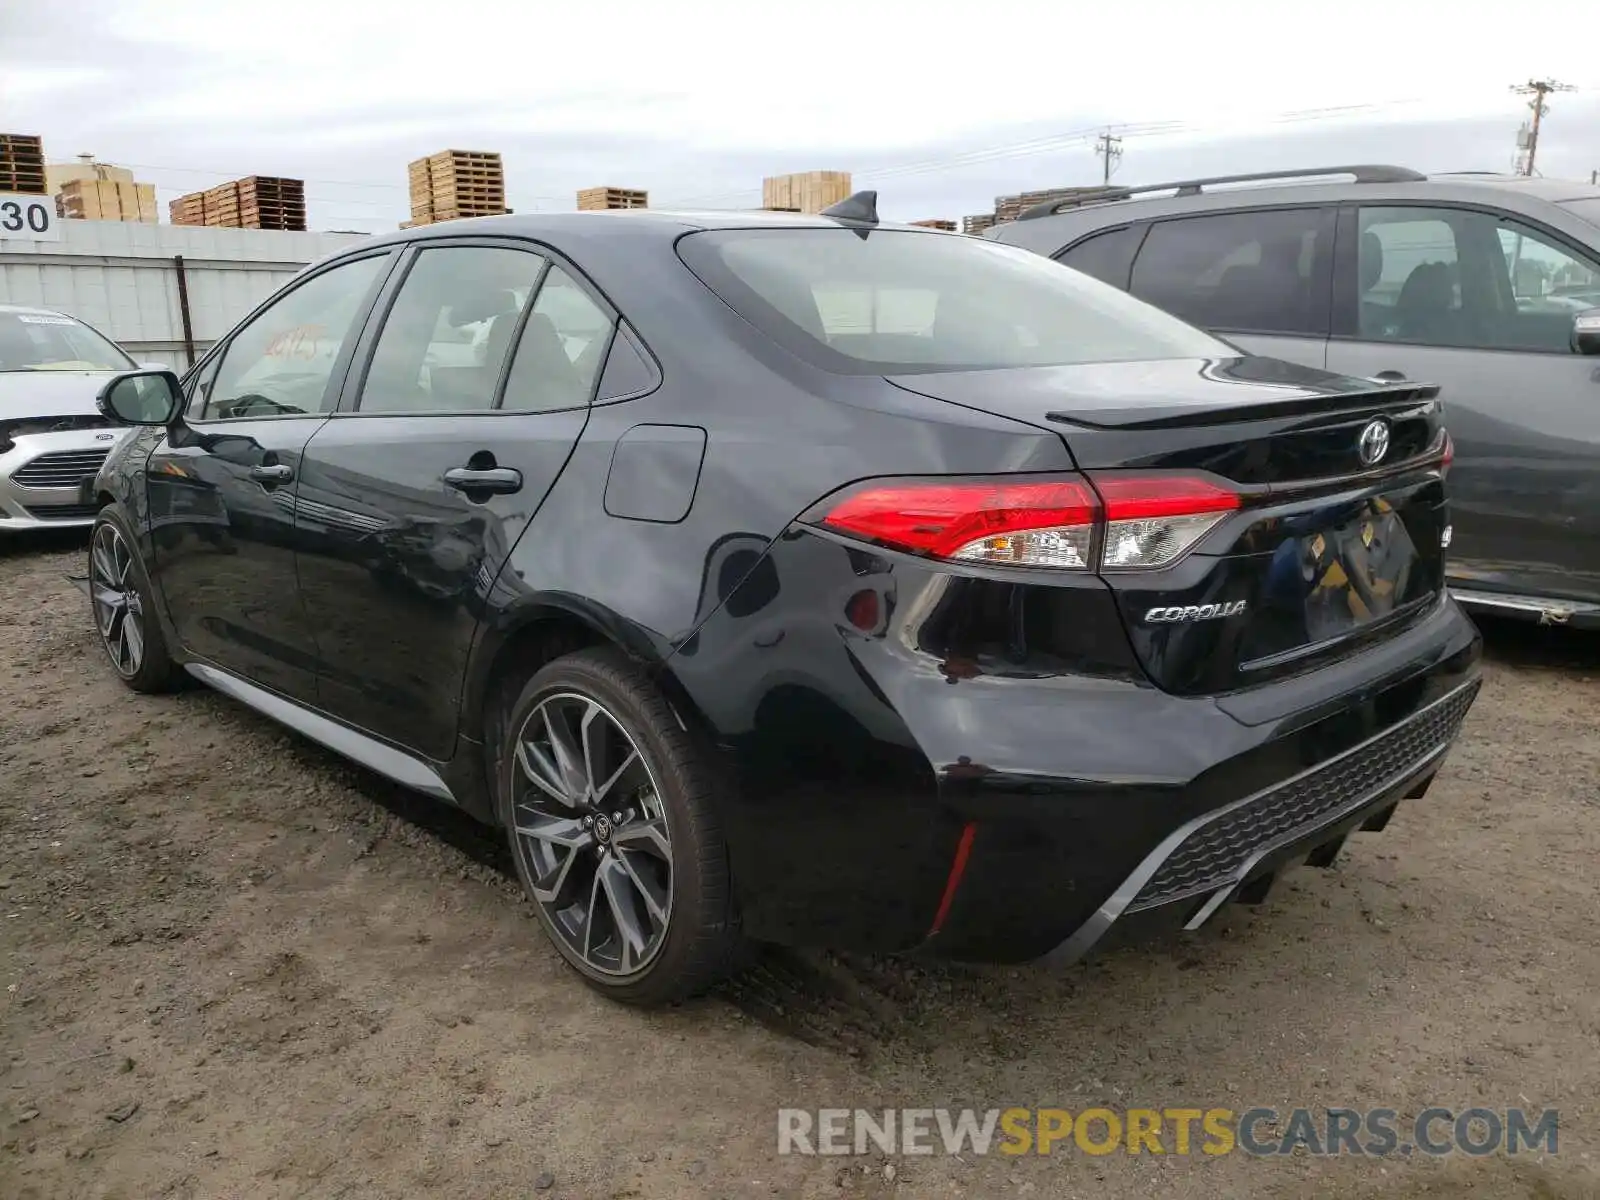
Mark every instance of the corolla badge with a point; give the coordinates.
(1195, 612)
(1373, 443)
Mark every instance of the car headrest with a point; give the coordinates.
(480, 306)
(1371, 260)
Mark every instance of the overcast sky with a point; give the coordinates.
(938, 106)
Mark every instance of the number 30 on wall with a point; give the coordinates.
(31, 217)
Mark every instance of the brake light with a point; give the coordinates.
(1036, 523)
(1114, 520)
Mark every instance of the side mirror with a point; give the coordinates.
(1586, 331)
(152, 397)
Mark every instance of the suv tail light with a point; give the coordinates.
(1108, 520)
(1447, 453)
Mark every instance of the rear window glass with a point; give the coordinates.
(897, 302)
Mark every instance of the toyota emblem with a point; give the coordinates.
(1373, 443)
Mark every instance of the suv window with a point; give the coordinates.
(893, 302)
(1469, 279)
(562, 349)
(282, 361)
(1249, 271)
(445, 341)
(1107, 256)
(1409, 267)
(1548, 285)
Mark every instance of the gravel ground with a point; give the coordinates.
(235, 966)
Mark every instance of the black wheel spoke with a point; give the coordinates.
(567, 753)
(541, 772)
(592, 835)
(621, 900)
(650, 837)
(133, 639)
(653, 894)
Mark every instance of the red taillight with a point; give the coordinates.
(975, 521)
(1447, 453)
(1141, 520)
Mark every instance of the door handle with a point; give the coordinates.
(276, 473)
(1391, 376)
(500, 480)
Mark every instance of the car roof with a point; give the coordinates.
(667, 223)
(34, 311)
(1530, 196)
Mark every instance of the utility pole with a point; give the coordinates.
(1110, 151)
(1528, 135)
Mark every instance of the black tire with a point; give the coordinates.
(699, 942)
(152, 668)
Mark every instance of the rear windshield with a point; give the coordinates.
(897, 302)
(53, 342)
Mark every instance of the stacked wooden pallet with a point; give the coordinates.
(187, 210)
(596, 199)
(272, 202)
(806, 191)
(254, 202)
(22, 164)
(107, 200)
(977, 223)
(1008, 208)
(456, 184)
(937, 223)
(222, 205)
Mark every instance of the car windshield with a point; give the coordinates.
(896, 302)
(52, 342)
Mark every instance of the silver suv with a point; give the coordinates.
(1488, 285)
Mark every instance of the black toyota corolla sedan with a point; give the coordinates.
(799, 579)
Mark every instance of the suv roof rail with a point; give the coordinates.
(1361, 173)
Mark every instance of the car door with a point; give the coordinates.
(221, 485)
(1481, 303)
(465, 408)
(1260, 278)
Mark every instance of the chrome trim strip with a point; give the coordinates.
(1551, 612)
(1081, 940)
(386, 760)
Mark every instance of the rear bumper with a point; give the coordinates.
(1209, 860)
(975, 768)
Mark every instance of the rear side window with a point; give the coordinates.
(896, 302)
(1107, 256)
(445, 341)
(562, 349)
(1261, 272)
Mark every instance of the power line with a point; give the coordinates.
(1528, 136)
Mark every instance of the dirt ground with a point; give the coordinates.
(235, 966)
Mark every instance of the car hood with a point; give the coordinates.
(25, 394)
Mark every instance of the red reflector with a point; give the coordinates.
(1145, 497)
(958, 868)
(862, 610)
(941, 518)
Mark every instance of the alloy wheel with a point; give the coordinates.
(592, 829)
(118, 611)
